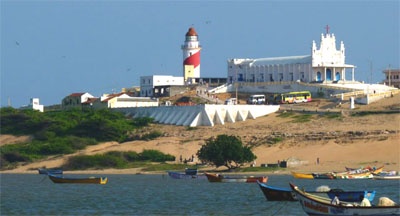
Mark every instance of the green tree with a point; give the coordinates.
(226, 151)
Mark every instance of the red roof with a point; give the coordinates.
(191, 32)
(76, 94)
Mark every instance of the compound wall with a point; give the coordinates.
(200, 115)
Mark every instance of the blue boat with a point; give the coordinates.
(50, 171)
(188, 174)
(351, 196)
(273, 193)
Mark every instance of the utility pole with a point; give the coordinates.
(236, 84)
(389, 76)
(370, 68)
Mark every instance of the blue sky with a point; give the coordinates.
(50, 49)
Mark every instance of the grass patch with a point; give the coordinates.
(332, 116)
(258, 169)
(151, 167)
(302, 118)
(286, 114)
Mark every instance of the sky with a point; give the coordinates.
(50, 49)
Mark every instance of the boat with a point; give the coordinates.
(351, 196)
(317, 205)
(179, 175)
(50, 171)
(302, 175)
(323, 175)
(245, 179)
(373, 170)
(378, 177)
(87, 180)
(273, 193)
(346, 175)
(190, 171)
(392, 175)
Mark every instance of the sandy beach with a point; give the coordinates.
(370, 140)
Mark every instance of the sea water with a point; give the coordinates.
(34, 194)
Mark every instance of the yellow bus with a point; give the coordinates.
(294, 97)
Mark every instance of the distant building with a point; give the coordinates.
(34, 104)
(191, 56)
(122, 100)
(76, 100)
(325, 65)
(150, 86)
(392, 77)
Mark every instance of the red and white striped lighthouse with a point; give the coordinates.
(191, 55)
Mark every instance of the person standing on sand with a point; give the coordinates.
(317, 160)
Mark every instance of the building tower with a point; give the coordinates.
(191, 56)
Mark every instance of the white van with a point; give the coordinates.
(256, 99)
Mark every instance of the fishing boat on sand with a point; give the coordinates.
(237, 178)
(87, 180)
(318, 205)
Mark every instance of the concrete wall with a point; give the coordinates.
(200, 115)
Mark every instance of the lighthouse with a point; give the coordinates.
(191, 56)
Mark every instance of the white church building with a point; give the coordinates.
(326, 64)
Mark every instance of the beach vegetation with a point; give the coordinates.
(225, 150)
(64, 132)
(116, 160)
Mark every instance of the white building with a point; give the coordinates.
(148, 83)
(325, 65)
(35, 105)
(75, 100)
(121, 100)
(191, 56)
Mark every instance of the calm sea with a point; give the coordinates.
(31, 194)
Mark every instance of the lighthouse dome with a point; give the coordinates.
(191, 32)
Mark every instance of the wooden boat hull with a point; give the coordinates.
(50, 171)
(302, 175)
(366, 175)
(229, 179)
(323, 176)
(316, 205)
(388, 177)
(286, 194)
(89, 180)
(177, 175)
(273, 193)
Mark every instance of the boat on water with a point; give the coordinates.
(373, 170)
(318, 205)
(235, 178)
(273, 193)
(179, 175)
(50, 171)
(387, 175)
(87, 180)
(346, 175)
(302, 175)
(323, 175)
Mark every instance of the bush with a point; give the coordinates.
(155, 156)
